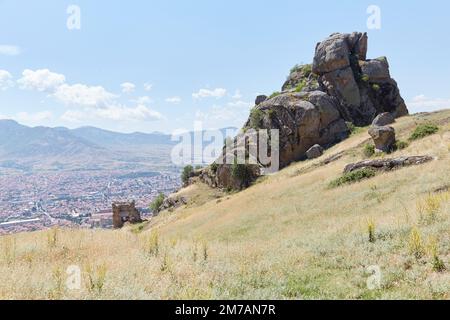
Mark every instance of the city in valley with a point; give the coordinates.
(33, 201)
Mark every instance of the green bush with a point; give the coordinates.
(369, 150)
(214, 166)
(423, 130)
(274, 94)
(376, 87)
(256, 116)
(353, 176)
(242, 173)
(187, 173)
(300, 86)
(154, 206)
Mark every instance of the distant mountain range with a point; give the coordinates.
(28, 148)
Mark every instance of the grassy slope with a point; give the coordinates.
(288, 236)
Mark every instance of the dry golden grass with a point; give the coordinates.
(287, 237)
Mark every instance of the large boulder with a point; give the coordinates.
(331, 54)
(383, 137)
(383, 119)
(375, 70)
(363, 87)
(314, 152)
(260, 99)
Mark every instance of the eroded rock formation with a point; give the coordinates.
(316, 103)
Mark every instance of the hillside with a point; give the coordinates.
(43, 148)
(288, 236)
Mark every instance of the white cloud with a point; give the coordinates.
(148, 86)
(143, 100)
(33, 117)
(231, 114)
(113, 112)
(8, 50)
(5, 80)
(206, 93)
(139, 113)
(237, 95)
(174, 100)
(422, 103)
(128, 87)
(83, 95)
(40, 80)
(75, 116)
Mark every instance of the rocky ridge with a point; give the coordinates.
(316, 104)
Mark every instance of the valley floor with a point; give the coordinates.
(289, 236)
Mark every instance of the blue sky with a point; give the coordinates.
(161, 65)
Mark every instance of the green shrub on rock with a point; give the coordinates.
(156, 204)
(187, 173)
(242, 173)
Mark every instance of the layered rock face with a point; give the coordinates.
(317, 100)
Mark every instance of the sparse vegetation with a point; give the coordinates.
(156, 204)
(376, 87)
(352, 177)
(285, 237)
(187, 173)
(423, 130)
(354, 129)
(274, 94)
(96, 277)
(438, 264)
(242, 173)
(214, 166)
(256, 117)
(400, 145)
(369, 150)
(429, 208)
(300, 86)
(52, 237)
(416, 246)
(371, 230)
(152, 247)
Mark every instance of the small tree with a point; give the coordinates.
(156, 204)
(243, 173)
(187, 173)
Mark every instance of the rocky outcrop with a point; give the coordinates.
(260, 99)
(316, 102)
(383, 119)
(171, 203)
(300, 79)
(314, 152)
(383, 137)
(303, 120)
(388, 164)
(363, 87)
